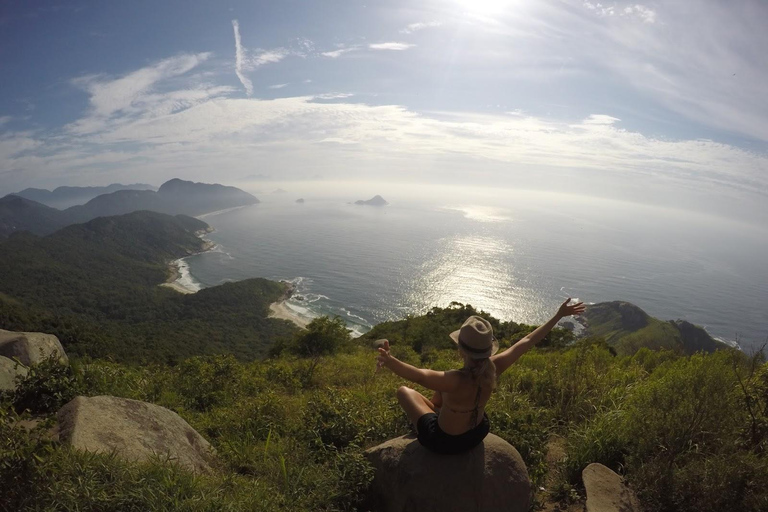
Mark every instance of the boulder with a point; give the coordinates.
(134, 430)
(606, 491)
(8, 371)
(408, 477)
(30, 347)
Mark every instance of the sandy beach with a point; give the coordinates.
(281, 310)
(173, 280)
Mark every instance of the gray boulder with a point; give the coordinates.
(408, 477)
(134, 430)
(8, 371)
(606, 491)
(30, 348)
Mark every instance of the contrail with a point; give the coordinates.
(240, 60)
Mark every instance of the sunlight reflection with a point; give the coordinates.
(476, 270)
(482, 213)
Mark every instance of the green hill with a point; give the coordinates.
(95, 285)
(628, 328)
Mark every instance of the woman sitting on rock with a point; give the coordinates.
(454, 420)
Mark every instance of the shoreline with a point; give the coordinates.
(177, 273)
(281, 311)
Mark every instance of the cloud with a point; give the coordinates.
(277, 86)
(268, 56)
(151, 140)
(390, 46)
(414, 27)
(112, 95)
(334, 54)
(600, 119)
(240, 60)
(150, 91)
(246, 60)
(4, 119)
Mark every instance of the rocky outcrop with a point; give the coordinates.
(9, 370)
(606, 491)
(30, 348)
(376, 200)
(134, 430)
(490, 477)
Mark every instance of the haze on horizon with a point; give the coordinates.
(655, 102)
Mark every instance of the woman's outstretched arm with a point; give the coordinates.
(513, 353)
(431, 379)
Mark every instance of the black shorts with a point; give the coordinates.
(432, 437)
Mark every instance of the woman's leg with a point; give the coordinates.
(414, 404)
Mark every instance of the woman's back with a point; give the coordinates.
(463, 409)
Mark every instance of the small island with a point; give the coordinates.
(376, 200)
(300, 200)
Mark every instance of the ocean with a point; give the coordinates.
(512, 253)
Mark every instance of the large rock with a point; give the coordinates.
(8, 371)
(30, 348)
(135, 430)
(606, 491)
(490, 477)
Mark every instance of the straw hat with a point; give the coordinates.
(475, 338)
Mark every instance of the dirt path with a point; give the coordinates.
(555, 455)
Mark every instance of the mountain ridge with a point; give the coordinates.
(66, 196)
(174, 197)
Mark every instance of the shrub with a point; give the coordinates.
(209, 381)
(46, 387)
(323, 336)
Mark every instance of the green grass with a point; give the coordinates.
(677, 427)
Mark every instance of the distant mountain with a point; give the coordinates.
(64, 197)
(376, 200)
(20, 214)
(628, 328)
(173, 197)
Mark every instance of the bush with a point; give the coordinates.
(324, 336)
(46, 387)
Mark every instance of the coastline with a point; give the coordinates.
(180, 279)
(282, 311)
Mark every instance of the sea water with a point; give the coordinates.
(513, 254)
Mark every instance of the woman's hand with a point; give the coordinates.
(567, 309)
(383, 358)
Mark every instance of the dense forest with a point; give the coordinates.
(95, 286)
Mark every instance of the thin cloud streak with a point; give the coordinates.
(335, 54)
(240, 60)
(391, 46)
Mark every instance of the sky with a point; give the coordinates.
(656, 102)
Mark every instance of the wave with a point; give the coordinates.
(186, 280)
(352, 315)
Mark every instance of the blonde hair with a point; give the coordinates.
(483, 369)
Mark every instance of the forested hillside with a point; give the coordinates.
(95, 285)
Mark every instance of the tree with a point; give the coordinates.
(323, 336)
